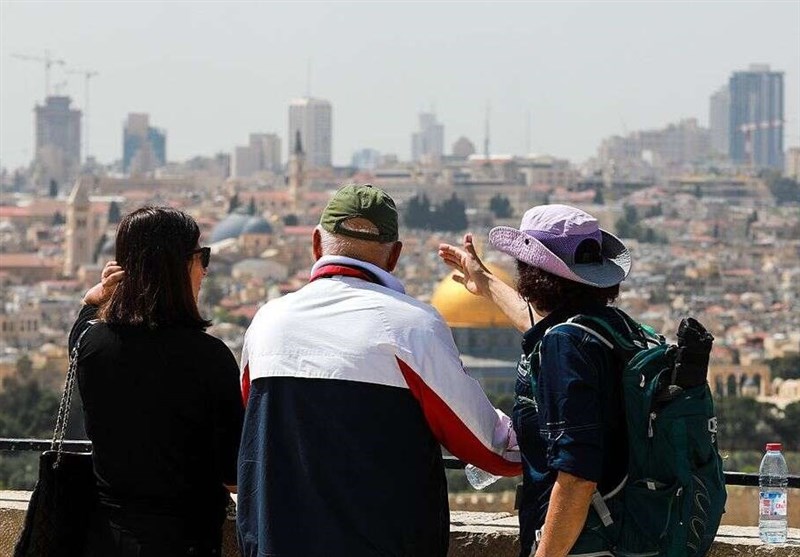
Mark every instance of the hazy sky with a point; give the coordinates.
(210, 73)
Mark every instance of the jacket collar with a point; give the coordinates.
(370, 272)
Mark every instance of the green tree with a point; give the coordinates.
(251, 207)
(451, 215)
(500, 206)
(788, 427)
(211, 294)
(418, 212)
(233, 202)
(784, 190)
(787, 367)
(26, 410)
(745, 423)
(114, 213)
(599, 199)
(290, 220)
(53, 190)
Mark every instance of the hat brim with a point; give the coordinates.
(616, 264)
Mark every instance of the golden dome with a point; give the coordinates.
(462, 309)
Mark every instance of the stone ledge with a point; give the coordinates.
(472, 534)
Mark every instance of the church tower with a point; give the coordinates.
(79, 239)
(296, 164)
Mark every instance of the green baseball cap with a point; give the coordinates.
(361, 201)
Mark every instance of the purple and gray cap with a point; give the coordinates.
(566, 242)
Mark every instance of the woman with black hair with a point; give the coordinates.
(160, 397)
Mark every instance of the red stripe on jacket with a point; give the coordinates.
(246, 383)
(451, 432)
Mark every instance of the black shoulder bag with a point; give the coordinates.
(62, 502)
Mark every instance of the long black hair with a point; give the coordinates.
(154, 246)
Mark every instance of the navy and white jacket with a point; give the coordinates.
(351, 386)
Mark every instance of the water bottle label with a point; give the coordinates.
(773, 503)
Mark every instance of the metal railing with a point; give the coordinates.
(450, 462)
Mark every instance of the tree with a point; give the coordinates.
(500, 206)
(418, 212)
(290, 220)
(251, 207)
(745, 423)
(26, 411)
(114, 213)
(53, 188)
(58, 218)
(451, 215)
(212, 292)
(787, 367)
(234, 202)
(598, 197)
(788, 427)
(784, 190)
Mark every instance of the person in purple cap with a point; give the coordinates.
(568, 417)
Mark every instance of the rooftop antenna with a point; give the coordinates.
(87, 76)
(308, 78)
(486, 134)
(528, 133)
(48, 61)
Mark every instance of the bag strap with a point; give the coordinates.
(57, 444)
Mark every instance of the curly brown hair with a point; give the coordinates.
(546, 291)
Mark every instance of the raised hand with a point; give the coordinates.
(469, 269)
(109, 279)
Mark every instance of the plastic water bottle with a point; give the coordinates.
(772, 481)
(478, 478)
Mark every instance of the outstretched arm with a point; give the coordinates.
(477, 279)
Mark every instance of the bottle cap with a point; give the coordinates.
(774, 446)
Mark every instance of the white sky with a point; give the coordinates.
(210, 73)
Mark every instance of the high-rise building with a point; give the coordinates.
(58, 139)
(313, 119)
(366, 159)
(675, 145)
(792, 169)
(269, 145)
(144, 148)
(719, 118)
(427, 144)
(262, 153)
(756, 117)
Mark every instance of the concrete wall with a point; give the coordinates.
(472, 534)
(740, 510)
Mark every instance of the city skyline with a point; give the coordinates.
(582, 71)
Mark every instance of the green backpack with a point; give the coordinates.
(672, 500)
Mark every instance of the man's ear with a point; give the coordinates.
(394, 256)
(316, 244)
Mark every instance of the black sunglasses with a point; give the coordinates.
(205, 256)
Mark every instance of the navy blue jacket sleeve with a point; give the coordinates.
(569, 417)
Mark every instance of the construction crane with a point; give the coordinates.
(48, 61)
(87, 76)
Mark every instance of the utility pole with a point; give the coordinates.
(48, 61)
(87, 76)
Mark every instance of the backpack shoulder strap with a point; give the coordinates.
(588, 329)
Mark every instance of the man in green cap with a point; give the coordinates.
(351, 387)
